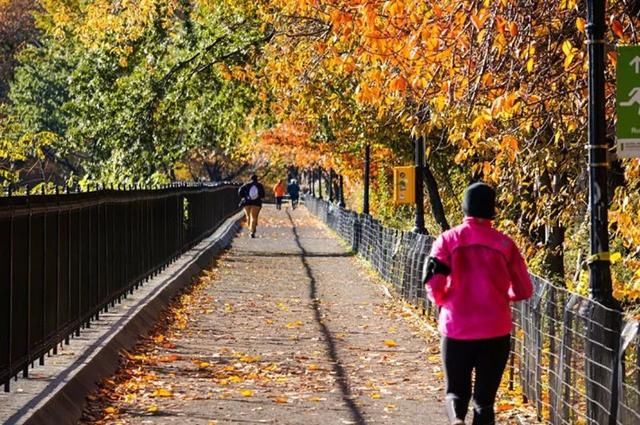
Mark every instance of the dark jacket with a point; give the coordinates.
(293, 190)
(243, 192)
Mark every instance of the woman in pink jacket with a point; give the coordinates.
(473, 273)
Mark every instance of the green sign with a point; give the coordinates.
(628, 101)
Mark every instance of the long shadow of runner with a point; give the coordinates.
(342, 378)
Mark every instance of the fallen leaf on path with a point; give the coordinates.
(153, 408)
(292, 325)
(162, 392)
(246, 393)
(201, 364)
(169, 358)
(280, 400)
(110, 410)
(390, 343)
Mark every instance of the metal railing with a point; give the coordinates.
(66, 258)
(555, 363)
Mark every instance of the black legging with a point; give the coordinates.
(488, 357)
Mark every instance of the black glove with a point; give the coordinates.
(432, 267)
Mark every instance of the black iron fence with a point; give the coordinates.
(66, 258)
(556, 364)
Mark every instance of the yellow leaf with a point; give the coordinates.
(110, 410)
(235, 379)
(530, 65)
(201, 364)
(567, 47)
(292, 325)
(153, 408)
(390, 343)
(249, 359)
(162, 392)
(280, 400)
(313, 367)
(375, 396)
(580, 24)
(615, 257)
(246, 393)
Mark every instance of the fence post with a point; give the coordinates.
(342, 204)
(330, 184)
(367, 166)
(320, 183)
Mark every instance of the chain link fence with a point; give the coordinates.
(559, 361)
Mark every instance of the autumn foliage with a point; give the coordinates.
(497, 89)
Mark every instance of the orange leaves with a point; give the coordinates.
(481, 121)
(398, 84)
(479, 18)
(390, 343)
(617, 28)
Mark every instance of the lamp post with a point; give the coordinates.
(367, 166)
(603, 324)
(419, 164)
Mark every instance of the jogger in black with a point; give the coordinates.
(488, 357)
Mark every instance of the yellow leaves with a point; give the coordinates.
(375, 396)
(390, 343)
(110, 410)
(246, 393)
(152, 409)
(580, 24)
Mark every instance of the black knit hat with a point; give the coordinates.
(479, 201)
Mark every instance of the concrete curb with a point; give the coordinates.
(62, 398)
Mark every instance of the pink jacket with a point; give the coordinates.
(487, 273)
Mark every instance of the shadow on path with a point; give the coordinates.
(341, 376)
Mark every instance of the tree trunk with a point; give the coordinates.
(434, 198)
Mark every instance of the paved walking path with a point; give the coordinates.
(287, 328)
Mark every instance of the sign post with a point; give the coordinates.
(628, 102)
